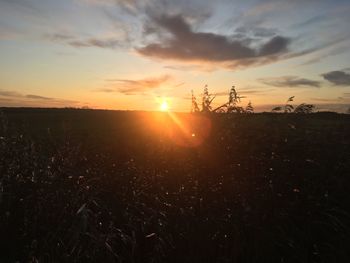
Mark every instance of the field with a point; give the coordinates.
(109, 186)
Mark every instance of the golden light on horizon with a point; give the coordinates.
(164, 106)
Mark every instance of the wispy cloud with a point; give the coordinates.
(327, 52)
(95, 42)
(74, 41)
(37, 97)
(8, 93)
(338, 77)
(290, 82)
(327, 100)
(13, 98)
(132, 87)
(245, 92)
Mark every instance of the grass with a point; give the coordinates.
(103, 186)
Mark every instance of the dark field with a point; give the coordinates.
(104, 186)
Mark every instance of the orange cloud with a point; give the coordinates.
(131, 87)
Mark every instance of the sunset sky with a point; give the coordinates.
(129, 54)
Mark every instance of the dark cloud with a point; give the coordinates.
(275, 45)
(290, 81)
(338, 78)
(186, 45)
(132, 87)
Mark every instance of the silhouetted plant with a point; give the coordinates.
(277, 109)
(304, 108)
(286, 108)
(249, 108)
(289, 107)
(194, 107)
(234, 99)
(207, 99)
(231, 105)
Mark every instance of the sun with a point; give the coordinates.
(164, 106)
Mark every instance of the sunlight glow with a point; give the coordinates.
(164, 106)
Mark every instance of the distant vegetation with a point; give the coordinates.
(232, 105)
(288, 108)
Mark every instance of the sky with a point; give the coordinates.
(132, 55)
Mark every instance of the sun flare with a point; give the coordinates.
(164, 106)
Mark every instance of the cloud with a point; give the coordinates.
(327, 99)
(182, 67)
(338, 77)
(7, 93)
(255, 91)
(324, 54)
(184, 44)
(95, 42)
(132, 87)
(244, 93)
(36, 97)
(59, 36)
(103, 42)
(290, 81)
(203, 34)
(107, 90)
(13, 98)
(256, 31)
